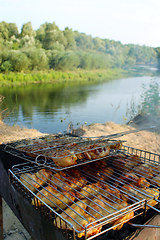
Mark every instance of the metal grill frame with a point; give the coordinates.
(43, 160)
(48, 212)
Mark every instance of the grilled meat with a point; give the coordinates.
(155, 180)
(123, 163)
(35, 180)
(145, 170)
(100, 207)
(134, 193)
(66, 182)
(131, 177)
(79, 218)
(89, 191)
(54, 198)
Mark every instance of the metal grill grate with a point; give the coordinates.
(95, 193)
(62, 152)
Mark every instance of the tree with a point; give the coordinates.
(98, 44)
(12, 30)
(19, 61)
(85, 61)
(27, 30)
(69, 35)
(38, 58)
(83, 41)
(1, 42)
(40, 33)
(4, 30)
(53, 37)
(6, 66)
(27, 41)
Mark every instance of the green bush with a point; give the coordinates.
(150, 98)
(149, 103)
(19, 61)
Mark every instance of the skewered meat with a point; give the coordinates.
(78, 217)
(34, 180)
(54, 198)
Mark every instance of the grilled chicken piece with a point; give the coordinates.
(105, 174)
(110, 194)
(79, 218)
(155, 180)
(150, 194)
(123, 163)
(99, 170)
(64, 159)
(156, 169)
(116, 145)
(68, 183)
(99, 208)
(54, 198)
(132, 178)
(35, 180)
(93, 168)
(123, 220)
(129, 193)
(97, 151)
(89, 191)
(134, 193)
(144, 170)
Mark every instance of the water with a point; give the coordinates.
(50, 108)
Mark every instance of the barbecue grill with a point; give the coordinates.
(102, 197)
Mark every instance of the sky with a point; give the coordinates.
(127, 21)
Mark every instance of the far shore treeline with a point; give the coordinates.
(51, 49)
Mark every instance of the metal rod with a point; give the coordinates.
(122, 133)
(142, 226)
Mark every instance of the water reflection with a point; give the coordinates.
(51, 107)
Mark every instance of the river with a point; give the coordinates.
(50, 108)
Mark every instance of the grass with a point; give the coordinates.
(54, 76)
